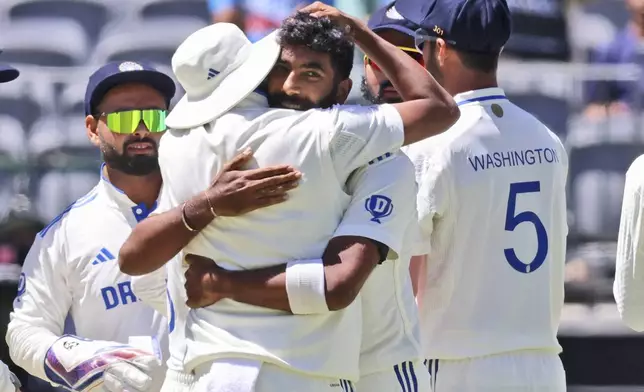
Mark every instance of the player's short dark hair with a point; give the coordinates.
(320, 35)
(481, 62)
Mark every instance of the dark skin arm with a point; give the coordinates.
(348, 261)
(428, 109)
(233, 192)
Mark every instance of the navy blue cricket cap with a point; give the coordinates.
(388, 17)
(480, 26)
(7, 73)
(116, 73)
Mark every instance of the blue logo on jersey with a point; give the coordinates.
(22, 284)
(379, 207)
(122, 294)
(103, 256)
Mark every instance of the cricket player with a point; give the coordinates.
(310, 352)
(492, 214)
(8, 381)
(390, 338)
(390, 341)
(629, 281)
(71, 268)
(395, 29)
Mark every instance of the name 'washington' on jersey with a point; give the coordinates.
(71, 269)
(326, 146)
(492, 214)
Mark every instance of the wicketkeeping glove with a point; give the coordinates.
(81, 365)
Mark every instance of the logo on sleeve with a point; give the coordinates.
(379, 207)
(22, 284)
(103, 256)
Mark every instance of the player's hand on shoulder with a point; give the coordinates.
(82, 365)
(206, 282)
(236, 191)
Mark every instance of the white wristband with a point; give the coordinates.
(305, 286)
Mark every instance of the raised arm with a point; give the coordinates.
(234, 191)
(375, 222)
(428, 108)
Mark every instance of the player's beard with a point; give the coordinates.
(134, 165)
(281, 100)
(377, 99)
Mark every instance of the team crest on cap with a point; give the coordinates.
(392, 13)
(130, 66)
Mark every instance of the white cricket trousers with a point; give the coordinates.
(176, 381)
(409, 376)
(237, 375)
(519, 371)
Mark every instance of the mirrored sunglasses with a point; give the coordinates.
(127, 121)
(413, 53)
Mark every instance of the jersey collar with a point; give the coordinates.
(119, 199)
(482, 95)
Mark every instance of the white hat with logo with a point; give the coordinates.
(218, 67)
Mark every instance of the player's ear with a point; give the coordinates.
(91, 128)
(442, 51)
(344, 88)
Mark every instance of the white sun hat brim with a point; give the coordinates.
(233, 88)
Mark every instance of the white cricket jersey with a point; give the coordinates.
(629, 278)
(390, 333)
(326, 145)
(6, 385)
(492, 214)
(164, 290)
(72, 269)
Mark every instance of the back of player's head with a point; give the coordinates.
(476, 29)
(320, 35)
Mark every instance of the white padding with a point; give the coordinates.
(305, 286)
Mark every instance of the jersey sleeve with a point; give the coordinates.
(432, 199)
(628, 287)
(382, 204)
(42, 304)
(361, 133)
(152, 289)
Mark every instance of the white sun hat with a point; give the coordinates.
(218, 67)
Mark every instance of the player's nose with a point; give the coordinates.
(291, 86)
(141, 130)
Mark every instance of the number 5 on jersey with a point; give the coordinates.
(512, 221)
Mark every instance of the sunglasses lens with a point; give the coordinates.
(154, 119)
(412, 53)
(126, 122)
